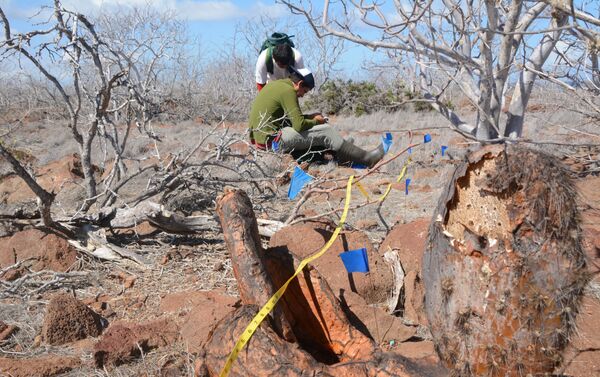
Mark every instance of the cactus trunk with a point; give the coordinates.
(504, 269)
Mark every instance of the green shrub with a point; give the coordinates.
(355, 98)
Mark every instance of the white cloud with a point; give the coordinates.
(193, 10)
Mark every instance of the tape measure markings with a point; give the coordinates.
(266, 309)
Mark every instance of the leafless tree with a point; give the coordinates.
(103, 72)
(492, 50)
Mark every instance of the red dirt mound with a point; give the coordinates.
(200, 311)
(409, 242)
(67, 319)
(305, 239)
(125, 341)
(45, 366)
(55, 176)
(48, 250)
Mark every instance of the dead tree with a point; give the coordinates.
(474, 45)
(101, 78)
(504, 270)
(326, 342)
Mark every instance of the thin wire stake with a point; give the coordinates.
(375, 311)
(405, 220)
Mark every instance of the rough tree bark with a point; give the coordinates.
(504, 270)
(327, 343)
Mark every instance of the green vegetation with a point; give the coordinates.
(347, 97)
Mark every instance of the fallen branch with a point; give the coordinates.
(37, 282)
(96, 245)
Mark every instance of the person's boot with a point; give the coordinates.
(349, 152)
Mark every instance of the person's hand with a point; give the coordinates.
(320, 119)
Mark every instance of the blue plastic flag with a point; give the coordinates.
(426, 138)
(356, 260)
(444, 149)
(299, 179)
(275, 146)
(386, 141)
(409, 150)
(355, 165)
(406, 187)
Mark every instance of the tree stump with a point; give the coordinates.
(504, 270)
(323, 343)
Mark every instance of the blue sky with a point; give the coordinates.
(212, 20)
(213, 23)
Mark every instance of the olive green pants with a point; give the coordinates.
(320, 137)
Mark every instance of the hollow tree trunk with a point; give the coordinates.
(504, 270)
(327, 343)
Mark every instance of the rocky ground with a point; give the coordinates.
(64, 312)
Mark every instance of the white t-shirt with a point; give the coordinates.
(263, 77)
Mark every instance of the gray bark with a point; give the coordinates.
(520, 98)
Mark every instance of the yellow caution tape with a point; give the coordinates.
(362, 190)
(266, 309)
(389, 187)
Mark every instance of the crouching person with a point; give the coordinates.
(276, 117)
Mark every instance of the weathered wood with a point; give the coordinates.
(504, 270)
(94, 243)
(174, 223)
(393, 260)
(326, 343)
(240, 231)
(161, 218)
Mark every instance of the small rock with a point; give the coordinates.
(124, 341)
(127, 279)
